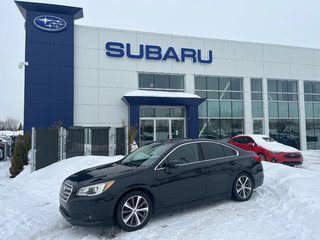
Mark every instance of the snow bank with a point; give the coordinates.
(286, 206)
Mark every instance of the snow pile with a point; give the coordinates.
(286, 206)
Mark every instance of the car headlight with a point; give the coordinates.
(94, 190)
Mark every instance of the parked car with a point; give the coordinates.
(268, 149)
(158, 176)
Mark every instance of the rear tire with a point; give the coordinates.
(133, 211)
(242, 187)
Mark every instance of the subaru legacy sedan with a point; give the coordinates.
(159, 176)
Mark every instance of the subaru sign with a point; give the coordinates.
(50, 23)
(154, 52)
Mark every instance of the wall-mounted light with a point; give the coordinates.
(21, 64)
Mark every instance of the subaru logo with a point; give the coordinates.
(50, 23)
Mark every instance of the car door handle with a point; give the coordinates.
(199, 170)
(232, 163)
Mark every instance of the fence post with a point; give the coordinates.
(33, 149)
(112, 141)
(62, 143)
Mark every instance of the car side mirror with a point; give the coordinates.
(251, 144)
(172, 164)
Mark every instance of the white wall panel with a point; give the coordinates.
(110, 35)
(246, 51)
(220, 49)
(118, 79)
(112, 96)
(306, 72)
(86, 58)
(85, 115)
(277, 70)
(86, 77)
(317, 70)
(317, 57)
(179, 42)
(119, 114)
(86, 37)
(249, 68)
(155, 66)
(113, 63)
(222, 67)
(188, 67)
(86, 95)
(274, 53)
(164, 41)
(301, 55)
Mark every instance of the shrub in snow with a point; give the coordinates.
(20, 155)
(132, 134)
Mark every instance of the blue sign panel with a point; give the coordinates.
(50, 23)
(154, 52)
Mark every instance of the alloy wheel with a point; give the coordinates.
(135, 211)
(243, 187)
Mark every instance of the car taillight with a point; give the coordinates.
(258, 158)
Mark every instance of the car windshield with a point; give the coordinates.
(267, 139)
(146, 155)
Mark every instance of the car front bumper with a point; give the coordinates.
(88, 211)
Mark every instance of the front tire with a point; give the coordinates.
(242, 187)
(133, 211)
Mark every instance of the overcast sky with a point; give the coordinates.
(288, 22)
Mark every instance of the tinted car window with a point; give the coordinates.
(239, 140)
(229, 151)
(211, 150)
(184, 154)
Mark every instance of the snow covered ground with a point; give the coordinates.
(287, 206)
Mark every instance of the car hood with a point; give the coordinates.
(277, 147)
(101, 173)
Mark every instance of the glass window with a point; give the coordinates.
(283, 109)
(292, 86)
(273, 110)
(224, 84)
(316, 110)
(184, 154)
(202, 94)
(162, 112)
(236, 95)
(272, 86)
(282, 86)
(236, 84)
(293, 110)
(213, 95)
(225, 108)
(226, 129)
(147, 112)
(309, 110)
(203, 109)
(308, 87)
(316, 87)
(256, 96)
(161, 81)
(256, 85)
(237, 127)
(257, 109)
(212, 83)
(237, 109)
(229, 151)
(214, 129)
(308, 98)
(203, 126)
(200, 83)
(176, 82)
(177, 112)
(257, 126)
(225, 95)
(211, 150)
(213, 109)
(146, 81)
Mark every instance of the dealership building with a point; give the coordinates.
(167, 86)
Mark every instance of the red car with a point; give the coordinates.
(268, 149)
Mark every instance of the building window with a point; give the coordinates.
(284, 111)
(257, 105)
(221, 115)
(312, 112)
(161, 82)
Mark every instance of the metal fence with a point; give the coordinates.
(52, 145)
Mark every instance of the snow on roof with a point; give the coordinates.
(146, 93)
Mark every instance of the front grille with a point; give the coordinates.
(66, 191)
(292, 155)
